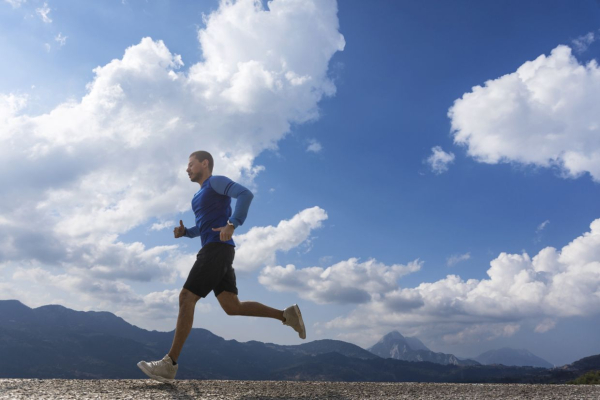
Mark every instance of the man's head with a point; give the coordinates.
(200, 166)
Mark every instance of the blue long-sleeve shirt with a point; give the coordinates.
(212, 207)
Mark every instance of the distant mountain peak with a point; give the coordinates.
(395, 345)
(393, 335)
(53, 307)
(512, 357)
(14, 309)
(12, 303)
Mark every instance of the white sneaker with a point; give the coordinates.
(293, 318)
(163, 370)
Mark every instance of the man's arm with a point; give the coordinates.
(192, 232)
(180, 231)
(243, 196)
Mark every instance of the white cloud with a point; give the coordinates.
(314, 146)
(259, 245)
(7, 292)
(345, 282)
(542, 226)
(440, 160)
(152, 309)
(99, 290)
(16, 3)
(546, 114)
(482, 332)
(582, 43)
(97, 287)
(456, 258)
(538, 231)
(48, 47)
(546, 325)
(61, 39)
(520, 293)
(43, 12)
(10, 105)
(91, 170)
(158, 226)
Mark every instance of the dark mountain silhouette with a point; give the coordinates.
(512, 357)
(56, 342)
(327, 346)
(394, 345)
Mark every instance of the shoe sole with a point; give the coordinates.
(155, 377)
(303, 333)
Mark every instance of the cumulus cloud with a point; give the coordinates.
(105, 295)
(91, 170)
(439, 160)
(346, 282)
(456, 258)
(99, 286)
(520, 293)
(43, 12)
(545, 114)
(258, 247)
(98, 290)
(11, 104)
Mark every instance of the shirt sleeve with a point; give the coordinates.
(192, 232)
(227, 187)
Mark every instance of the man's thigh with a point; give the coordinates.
(228, 283)
(211, 266)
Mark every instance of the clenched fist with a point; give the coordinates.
(179, 231)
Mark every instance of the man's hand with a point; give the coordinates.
(179, 231)
(226, 232)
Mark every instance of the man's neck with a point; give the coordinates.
(203, 180)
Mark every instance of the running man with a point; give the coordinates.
(213, 269)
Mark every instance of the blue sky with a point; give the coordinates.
(334, 142)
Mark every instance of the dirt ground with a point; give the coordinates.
(194, 389)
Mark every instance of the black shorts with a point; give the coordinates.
(213, 270)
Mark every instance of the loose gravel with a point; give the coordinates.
(247, 390)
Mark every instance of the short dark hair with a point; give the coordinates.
(204, 155)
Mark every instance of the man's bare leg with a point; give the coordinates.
(185, 320)
(232, 306)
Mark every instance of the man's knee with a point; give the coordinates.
(230, 303)
(187, 298)
(232, 309)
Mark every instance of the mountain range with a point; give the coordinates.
(56, 342)
(394, 345)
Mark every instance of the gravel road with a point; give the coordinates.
(193, 389)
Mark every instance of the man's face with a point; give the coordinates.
(195, 169)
